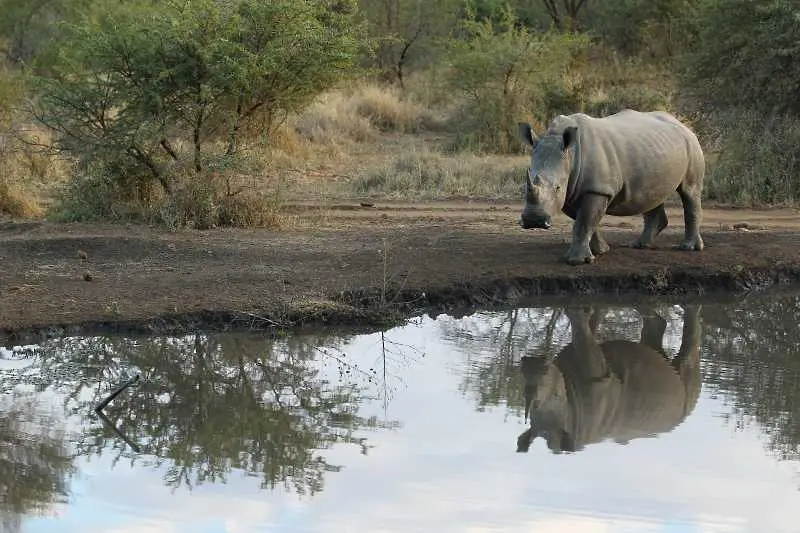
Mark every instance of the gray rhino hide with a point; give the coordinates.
(643, 395)
(637, 159)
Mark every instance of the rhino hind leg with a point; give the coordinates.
(591, 211)
(690, 196)
(655, 221)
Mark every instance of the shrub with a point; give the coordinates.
(199, 204)
(759, 163)
(745, 55)
(153, 92)
(502, 70)
(96, 195)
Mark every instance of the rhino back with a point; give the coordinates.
(635, 158)
(643, 397)
(653, 398)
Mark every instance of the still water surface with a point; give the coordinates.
(537, 419)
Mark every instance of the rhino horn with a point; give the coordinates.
(528, 184)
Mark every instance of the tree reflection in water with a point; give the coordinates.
(35, 463)
(493, 344)
(208, 404)
(750, 357)
(753, 362)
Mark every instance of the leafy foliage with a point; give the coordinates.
(746, 54)
(754, 364)
(654, 28)
(503, 70)
(208, 405)
(35, 462)
(149, 92)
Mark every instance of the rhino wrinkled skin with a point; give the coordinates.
(623, 165)
(616, 390)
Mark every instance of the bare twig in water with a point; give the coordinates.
(116, 392)
(269, 321)
(116, 430)
(346, 364)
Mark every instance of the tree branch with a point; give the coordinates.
(552, 10)
(168, 148)
(142, 157)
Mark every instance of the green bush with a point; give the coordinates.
(197, 203)
(502, 72)
(759, 163)
(745, 55)
(148, 93)
(97, 195)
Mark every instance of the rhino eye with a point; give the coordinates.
(558, 188)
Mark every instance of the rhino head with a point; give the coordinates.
(548, 175)
(546, 406)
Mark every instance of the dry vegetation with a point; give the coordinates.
(360, 140)
(27, 172)
(455, 78)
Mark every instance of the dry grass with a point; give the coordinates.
(387, 110)
(18, 203)
(332, 119)
(373, 141)
(28, 175)
(355, 113)
(427, 174)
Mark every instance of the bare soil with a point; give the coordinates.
(353, 264)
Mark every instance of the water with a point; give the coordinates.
(416, 429)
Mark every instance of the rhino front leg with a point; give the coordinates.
(692, 215)
(655, 221)
(594, 366)
(592, 209)
(598, 244)
(653, 328)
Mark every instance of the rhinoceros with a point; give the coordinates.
(616, 390)
(623, 165)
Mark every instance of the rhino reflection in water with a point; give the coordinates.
(618, 389)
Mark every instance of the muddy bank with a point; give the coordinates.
(373, 270)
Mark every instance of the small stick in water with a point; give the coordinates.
(116, 392)
(119, 433)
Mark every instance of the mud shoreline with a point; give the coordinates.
(360, 268)
(456, 302)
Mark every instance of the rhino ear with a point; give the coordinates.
(527, 135)
(570, 135)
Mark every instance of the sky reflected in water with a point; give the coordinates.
(416, 429)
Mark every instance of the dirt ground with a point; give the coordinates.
(353, 263)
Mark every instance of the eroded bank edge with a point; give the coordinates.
(371, 308)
